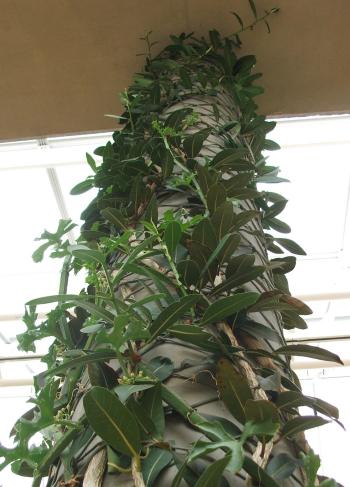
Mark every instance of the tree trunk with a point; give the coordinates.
(179, 183)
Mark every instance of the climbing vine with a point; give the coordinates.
(177, 248)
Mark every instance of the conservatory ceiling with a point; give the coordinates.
(64, 62)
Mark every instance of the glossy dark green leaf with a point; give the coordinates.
(216, 196)
(204, 233)
(244, 217)
(172, 236)
(283, 265)
(176, 118)
(201, 255)
(222, 308)
(112, 421)
(294, 399)
(90, 256)
(91, 161)
(257, 473)
(302, 423)
(172, 313)
(78, 300)
(144, 421)
(189, 271)
(151, 213)
(271, 145)
(291, 246)
(282, 466)
(278, 225)
(160, 367)
(234, 448)
(309, 351)
(233, 389)
(275, 209)
(227, 157)
(156, 461)
(239, 271)
(151, 401)
(259, 330)
(82, 187)
(193, 143)
(223, 219)
(291, 319)
(262, 413)
(205, 178)
(211, 477)
(115, 217)
(227, 246)
(124, 391)
(101, 374)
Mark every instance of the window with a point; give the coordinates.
(36, 177)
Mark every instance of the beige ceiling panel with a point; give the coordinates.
(63, 62)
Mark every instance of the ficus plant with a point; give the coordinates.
(170, 367)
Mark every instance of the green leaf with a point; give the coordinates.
(253, 8)
(123, 391)
(240, 270)
(212, 475)
(151, 213)
(151, 401)
(283, 265)
(156, 461)
(189, 272)
(216, 196)
(82, 187)
(214, 430)
(222, 219)
(294, 399)
(38, 254)
(309, 351)
(112, 421)
(192, 144)
(258, 330)
(282, 466)
(115, 217)
(262, 478)
(227, 246)
(146, 425)
(271, 145)
(160, 367)
(83, 359)
(233, 389)
(262, 413)
(275, 209)
(91, 161)
(302, 423)
(172, 236)
(90, 256)
(202, 448)
(225, 307)
(171, 314)
(278, 225)
(228, 157)
(195, 335)
(311, 463)
(176, 118)
(291, 246)
(205, 178)
(78, 300)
